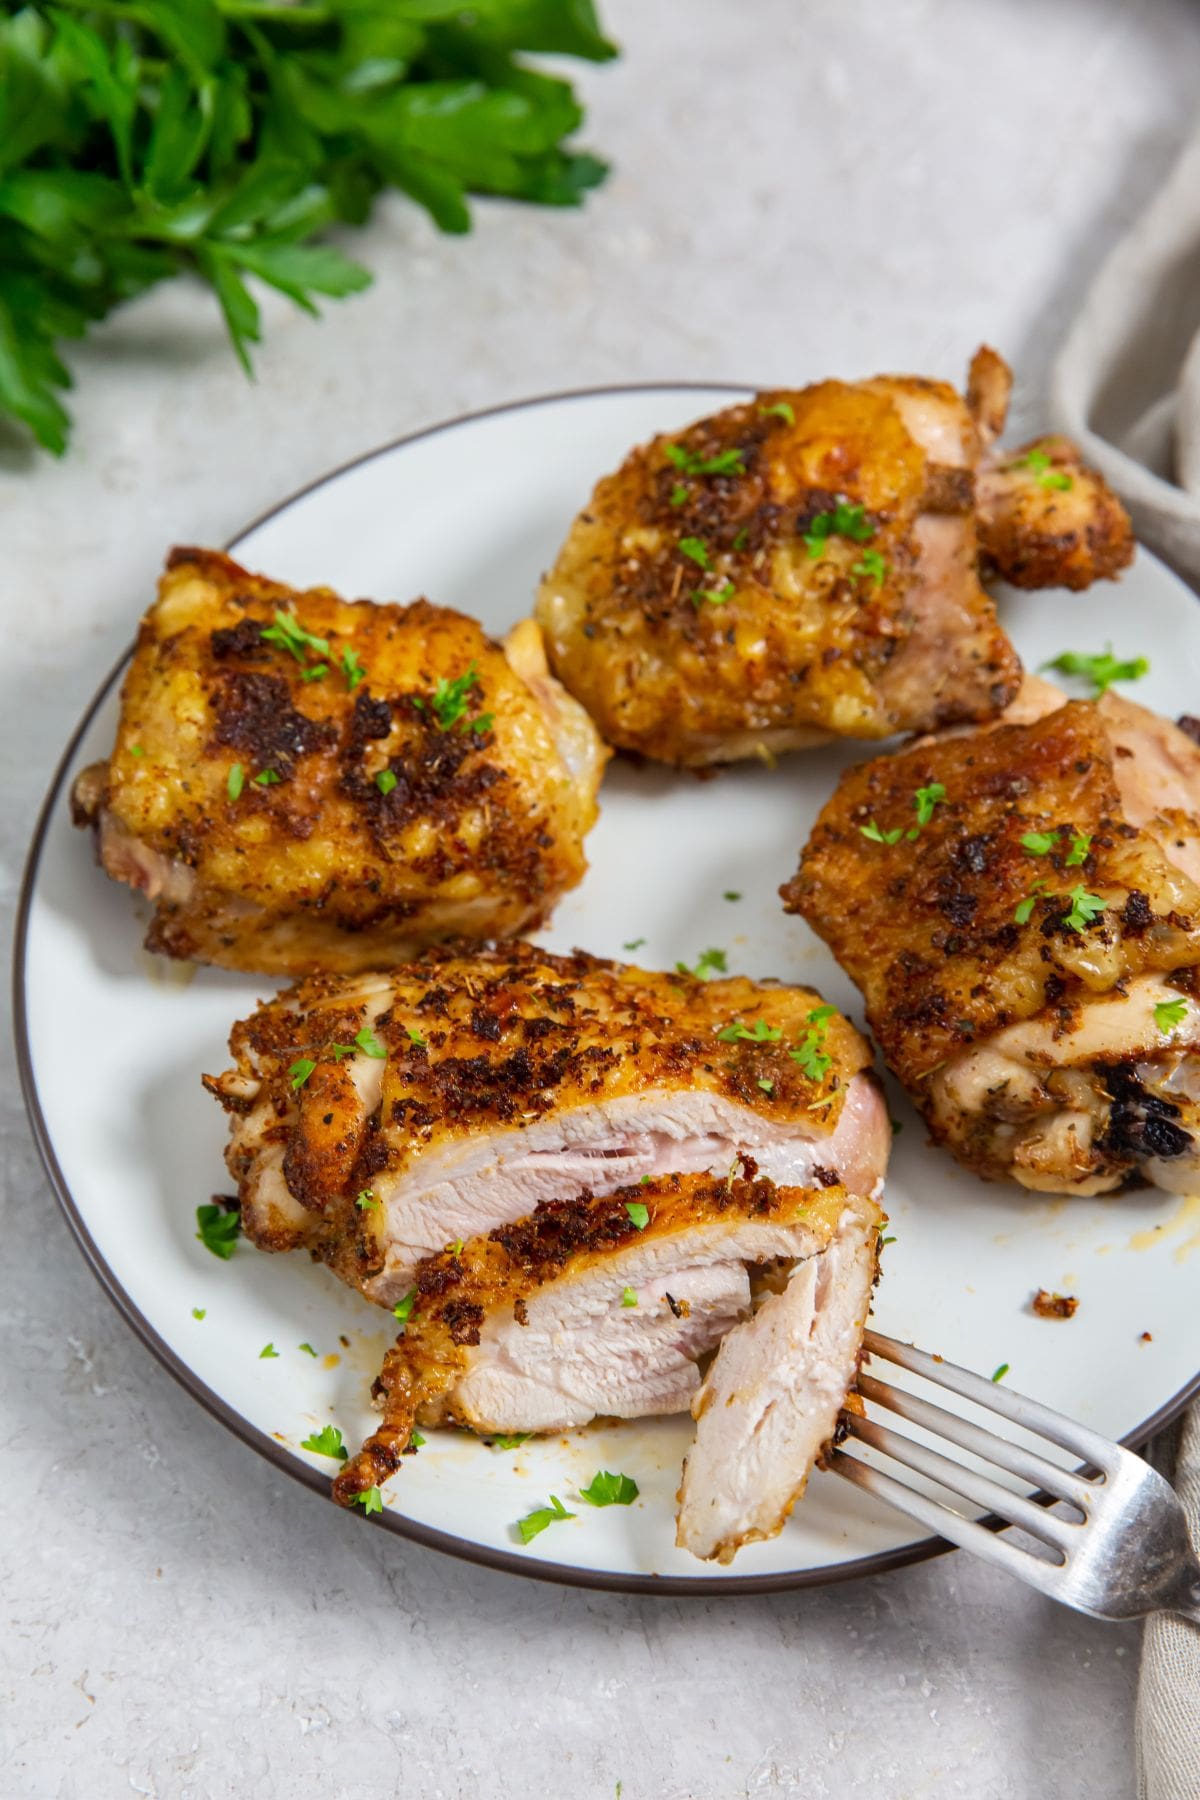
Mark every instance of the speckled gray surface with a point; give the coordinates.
(800, 189)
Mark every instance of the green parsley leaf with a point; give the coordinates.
(300, 1071)
(537, 1521)
(449, 701)
(454, 1249)
(308, 1349)
(326, 1442)
(1045, 473)
(1039, 843)
(639, 1213)
(1169, 1015)
(872, 565)
(713, 596)
(707, 964)
(1001, 1372)
(742, 539)
(415, 1038)
(886, 1240)
(809, 1053)
(366, 1200)
(876, 836)
(317, 672)
(629, 1296)
(780, 410)
(288, 633)
(690, 462)
(607, 1489)
(679, 495)
(731, 894)
(925, 799)
(416, 1439)
(768, 1087)
(266, 779)
(136, 750)
(403, 1308)
(371, 1500)
(338, 1051)
(199, 1312)
(385, 781)
(1081, 843)
(218, 1230)
(1085, 908)
(268, 1352)
(508, 1441)
(696, 549)
(369, 1044)
(235, 781)
(633, 944)
(758, 1033)
(1101, 669)
(1023, 911)
(846, 520)
(352, 668)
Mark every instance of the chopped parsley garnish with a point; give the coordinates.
(1081, 843)
(369, 1044)
(679, 494)
(1085, 908)
(218, 1230)
(326, 1442)
(1169, 1015)
(607, 1489)
(925, 799)
(199, 1312)
(1023, 911)
(136, 750)
(366, 1200)
(639, 1213)
(1001, 1372)
(629, 1296)
(872, 566)
(268, 1352)
(308, 1350)
(886, 1240)
(454, 1249)
(449, 701)
(415, 1038)
(338, 1051)
(416, 1441)
(714, 596)
(1041, 466)
(537, 1521)
(404, 1307)
(809, 1052)
(871, 830)
(291, 636)
(1102, 669)
(266, 778)
(235, 781)
(371, 1500)
(696, 549)
(731, 894)
(352, 668)
(709, 962)
(509, 1441)
(317, 672)
(742, 539)
(846, 520)
(690, 462)
(633, 944)
(758, 1033)
(300, 1071)
(768, 1087)
(780, 410)
(1039, 843)
(385, 781)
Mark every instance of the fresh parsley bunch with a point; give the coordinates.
(139, 138)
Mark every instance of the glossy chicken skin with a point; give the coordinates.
(337, 799)
(605, 1307)
(495, 1079)
(792, 569)
(1037, 999)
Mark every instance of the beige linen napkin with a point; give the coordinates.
(1126, 387)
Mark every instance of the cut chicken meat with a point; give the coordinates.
(771, 1399)
(605, 1306)
(793, 569)
(303, 782)
(1027, 948)
(375, 1120)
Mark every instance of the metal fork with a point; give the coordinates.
(1127, 1554)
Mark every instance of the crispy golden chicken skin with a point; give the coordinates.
(796, 568)
(299, 781)
(1008, 904)
(377, 1118)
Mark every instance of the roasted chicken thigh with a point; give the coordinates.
(606, 1306)
(376, 1119)
(1018, 908)
(805, 566)
(299, 781)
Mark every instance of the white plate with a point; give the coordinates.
(113, 1042)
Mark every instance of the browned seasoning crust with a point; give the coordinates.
(456, 1290)
(1054, 1306)
(476, 829)
(507, 1033)
(1034, 532)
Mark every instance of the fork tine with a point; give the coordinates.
(964, 1482)
(1088, 1445)
(1027, 1464)
(987, 1545)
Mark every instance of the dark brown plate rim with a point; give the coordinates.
(699, 1586)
